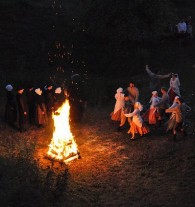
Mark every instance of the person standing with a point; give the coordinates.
(40, 109)
(49, 100)
(163, 104)
(174, 87)
(133, 93)
(119, 96)
(59, 98)
(22, 109)
(10, 107)
(155, 79)
(31, 104)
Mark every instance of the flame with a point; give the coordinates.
(63, 146)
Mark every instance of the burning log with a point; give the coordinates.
(63, 147)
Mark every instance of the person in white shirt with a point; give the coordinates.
(174, 87)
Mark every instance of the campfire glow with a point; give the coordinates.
(63, 146)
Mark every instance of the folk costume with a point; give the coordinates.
(174, 88)
(126, 109)
(40, 109)
(22, 109)
(49, 100)
(152, 114)
(59, 98)
(137, 124)
(163, 104)
(133, 93)
(10, 107)
(31, 104)
(119, 96)
(175, 122)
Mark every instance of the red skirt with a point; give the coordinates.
(116, 116)
(150, 116)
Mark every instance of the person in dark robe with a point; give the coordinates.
(40, 109)
(77, 105)
(10, 107)
(22, 109)
(49, 102)
(59, 98)
(31, 104)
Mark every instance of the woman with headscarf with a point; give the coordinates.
(137, 124)
(175, 122)
(174, 87)
(10, 107)
(119, 96)
(40, 109)
(152, 114)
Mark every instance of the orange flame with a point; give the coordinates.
(63, 146)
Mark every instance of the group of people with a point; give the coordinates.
(170, 107)
(32, 105)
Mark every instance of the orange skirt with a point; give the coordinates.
(116, 116)
(134, 129)
(152, 117)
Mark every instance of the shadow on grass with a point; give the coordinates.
(23, 183)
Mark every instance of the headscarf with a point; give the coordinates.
(154, 92)
(9, 87)
(58, 90)
(138, 106)
(38, 91)
(119, 90)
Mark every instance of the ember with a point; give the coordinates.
(63, 146)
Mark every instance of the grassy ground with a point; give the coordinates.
(152, 171)
(113, 171)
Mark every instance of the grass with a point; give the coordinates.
(113, 171)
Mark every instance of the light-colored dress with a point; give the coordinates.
(116, 114)
(137, 125)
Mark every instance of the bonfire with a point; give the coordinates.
(63, 146)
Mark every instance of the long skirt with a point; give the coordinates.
(172, 95)
(134, 129)
(41, 119)
(10, 114)
(116, 116)
(173, 125)
(150, 116)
